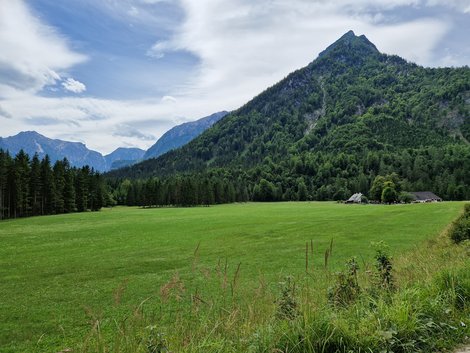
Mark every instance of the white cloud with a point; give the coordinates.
(158, 50)
(246, 46)
(152, 2)
(133, 11)
(125, 130)
(169, 99)
(32, 53)
(96, 121)
(74, 86)
(460, 5)
(243, 47)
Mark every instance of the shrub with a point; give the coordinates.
(287, 304)
(384, 266)
(389, 195)
(346, 290)
(405, 197)
(460, 229)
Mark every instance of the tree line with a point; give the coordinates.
(33, 187)
(180, 190)
(313, 176)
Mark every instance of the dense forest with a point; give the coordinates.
(327, 131)
(316, 176)
(31, 187)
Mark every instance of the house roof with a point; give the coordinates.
(355, 198)
(425, 195)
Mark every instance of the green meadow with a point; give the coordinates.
(60, 275)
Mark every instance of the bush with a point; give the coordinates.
(389, 195)
(287, 304)
(384, 266)
(405, 197)
(346, 290)
(460, 229)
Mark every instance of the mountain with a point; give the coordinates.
(332, 126)
(182, 134)
(77, 153)
(32, 142)
(123, 157)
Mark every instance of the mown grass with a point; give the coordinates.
(76, 281)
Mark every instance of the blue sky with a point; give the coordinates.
(114, 73)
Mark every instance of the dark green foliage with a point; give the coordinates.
(20, 178)
(384, 267)
(391, 182)
(34, 187)
(216, 187)
(333, 126)
(264, 191)
(460, 230)
(287, 306)
(346, 289)
(389, 194)
(156, 341)
(405, 197)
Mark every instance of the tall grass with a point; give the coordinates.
(427, 309)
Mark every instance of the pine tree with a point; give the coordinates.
(47, 187)
(35, 186)
(69, 189)
(4, 162)
(59, 182)
(21, 172)
(81, 190)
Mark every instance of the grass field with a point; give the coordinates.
(55, 271)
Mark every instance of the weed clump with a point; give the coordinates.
(460, 230)
(287, 306)
(383, 263)
(346, 289)
(156, 341)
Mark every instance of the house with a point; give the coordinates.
(425, 196)
(356, 198)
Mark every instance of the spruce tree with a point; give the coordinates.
(59, 182)
(21, 172)
(69, 189)
(35, 186)
(47, 187)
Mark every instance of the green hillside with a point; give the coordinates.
(348, 116)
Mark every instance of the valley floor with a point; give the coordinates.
(61, 275)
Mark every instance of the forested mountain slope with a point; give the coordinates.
(331, 127)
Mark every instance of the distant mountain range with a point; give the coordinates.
(79, 155)
(123, 157)
(76, 152)
(182, 134)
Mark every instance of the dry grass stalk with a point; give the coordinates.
(174, 288)
(119, 292)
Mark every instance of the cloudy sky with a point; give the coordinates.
(116, 73)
